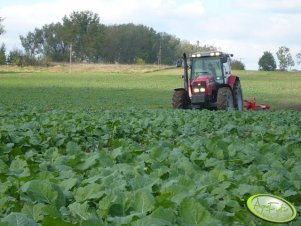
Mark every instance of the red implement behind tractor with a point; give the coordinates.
(209, 83)
(251, 105)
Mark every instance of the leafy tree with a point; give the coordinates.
(237, 65)
(33, 42)
(126, 43)
(168, 48)
(285, 58)
(85, 32)
(267, 62)
(1, 26)
(298, 56)
(2, 54)
(17, 57)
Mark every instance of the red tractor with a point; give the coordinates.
(209, 83)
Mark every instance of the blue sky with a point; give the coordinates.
(246, 28)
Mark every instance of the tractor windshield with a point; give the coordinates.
(206, 65)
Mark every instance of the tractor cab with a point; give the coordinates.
(209, 83)
(216, 64)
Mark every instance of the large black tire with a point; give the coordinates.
(180, 99)
(225, 99)
(238, 96)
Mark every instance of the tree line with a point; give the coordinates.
(84, 38)
(267, 61)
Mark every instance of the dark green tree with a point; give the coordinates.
(46, 42)
(285, 58)
(33, 42)
(85, 32)
(169, 45)
(126, 43)
(94, 42)
(2, 54)
(267, 62)
(237, 65)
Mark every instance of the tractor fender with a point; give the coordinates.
(231, 80)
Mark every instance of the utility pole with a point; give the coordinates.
(160, 51)
(70, 58)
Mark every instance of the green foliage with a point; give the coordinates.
(237, 65)
(145, 167)
(267, 62)
(94, 42)
(285, 58)
(85, 32)
(106, 90)
(2, 54)
(140, 61)
(15, 57)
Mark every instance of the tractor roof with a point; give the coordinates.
(210, 54)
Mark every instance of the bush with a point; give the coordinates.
(140, 61)
(237, 65)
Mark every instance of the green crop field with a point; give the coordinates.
(103, 147)
(113, 89)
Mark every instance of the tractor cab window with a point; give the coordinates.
(205, 66)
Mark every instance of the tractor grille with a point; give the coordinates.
(200, 84)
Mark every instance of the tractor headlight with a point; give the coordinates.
(196, 90)
(199, 90)
(202, 90)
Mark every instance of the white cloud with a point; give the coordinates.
(281, 6)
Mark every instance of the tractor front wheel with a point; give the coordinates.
(180, 99)
(225, 99)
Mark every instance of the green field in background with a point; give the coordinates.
(107, 90)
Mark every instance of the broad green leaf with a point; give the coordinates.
(3, 167)
(43, 191)
(165, 215)
(90, 191)
(143, 201)
(19, 219)
(40, 210)
(19, 168)
(50, 221)
(125, 220)
(68, 184)
(98, 222)
(289, 193)
(88, 162)
(83, 211)
(72, 148)
(193, 213)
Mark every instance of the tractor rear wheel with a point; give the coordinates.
(180, 99)
(238, 97)
(225, 99)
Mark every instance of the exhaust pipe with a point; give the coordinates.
(185, 72)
